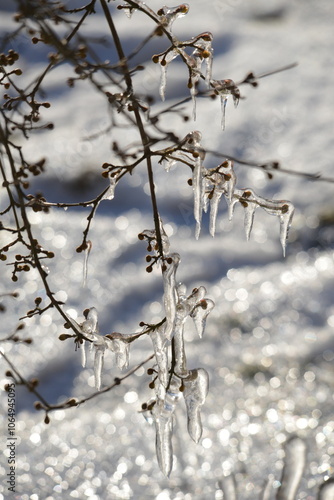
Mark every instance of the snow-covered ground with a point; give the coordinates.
(268, 345)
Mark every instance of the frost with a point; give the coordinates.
(170, 294)
(225, 89)
(294, 464)
(196, 387)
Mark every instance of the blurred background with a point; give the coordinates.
(268, 346)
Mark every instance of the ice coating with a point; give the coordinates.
(160, 350)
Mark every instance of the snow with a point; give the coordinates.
(268, 347)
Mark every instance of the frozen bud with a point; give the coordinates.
(64, 336)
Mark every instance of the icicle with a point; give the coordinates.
(164, 432)
(196, 386)
(164, 59)
(229, 488)
(192, 143)
(83, 353)
(214, 201)
(294, 464)
(160, 350)
(326, 490)
(85, 267)
(285, 223)
(223, 180)
(225, 88)
(110, 193)
(266, 492)
(182, 312)
(200, 313)
(162, 413)
(235, 198)
(98, 364)
(170, 295)
(163, 82)
(223, 102)
(249, 217)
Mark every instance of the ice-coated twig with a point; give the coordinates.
(196, 386)
(294, 464)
